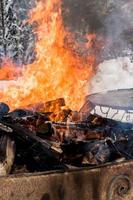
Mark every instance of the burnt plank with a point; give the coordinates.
(36, 151)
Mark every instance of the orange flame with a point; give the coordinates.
(57, 71)
(9, 71)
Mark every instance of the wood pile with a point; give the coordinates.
(55, 138)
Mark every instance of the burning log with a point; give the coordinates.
(54, 106)
(61, 116)
(26, 118)
(35, 150)
(58, 138)
(78, 131)
(85, 110)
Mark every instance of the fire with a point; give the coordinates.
(9, 71)
(58, 71)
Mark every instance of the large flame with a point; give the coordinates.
(57, 71)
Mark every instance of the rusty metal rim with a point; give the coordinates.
(96, 168)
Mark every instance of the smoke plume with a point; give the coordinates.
(113, 74)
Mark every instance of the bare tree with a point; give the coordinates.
(16, 37)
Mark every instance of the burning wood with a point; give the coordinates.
(42, 143)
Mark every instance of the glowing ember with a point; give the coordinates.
(57, 71)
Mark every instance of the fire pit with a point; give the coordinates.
(49, 149)
(104, 183)
(86, 159)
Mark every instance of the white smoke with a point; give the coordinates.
(113, 74)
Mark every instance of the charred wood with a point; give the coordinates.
(35, 150)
